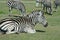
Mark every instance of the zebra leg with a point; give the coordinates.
(43, 8)
(37, 4)
(46, 10)
(49, 11)
(42, 5)
(17, 30)
(10, 32)
(56, 6)
(11, 26)
(29, 29)
(10, 11)
(23, 12)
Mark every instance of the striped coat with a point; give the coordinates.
(13, 4)
(48, 6)
(19, 20)
(23, 23)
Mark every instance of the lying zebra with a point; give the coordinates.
(16, 4)
(23, 24)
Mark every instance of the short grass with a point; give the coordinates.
(52, 32)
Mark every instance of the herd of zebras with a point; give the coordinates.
(48, 5)
(25, 23)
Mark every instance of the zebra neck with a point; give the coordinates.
(34, 21)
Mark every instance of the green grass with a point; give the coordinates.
(52, 32)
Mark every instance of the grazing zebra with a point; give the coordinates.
(16, 4)
(56, 3)
(48, 6)
(23, 24)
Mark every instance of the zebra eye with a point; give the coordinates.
(38, 14)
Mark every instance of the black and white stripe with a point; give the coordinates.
(7, 25)
(46, 5)
(13, 4)
(23, 23)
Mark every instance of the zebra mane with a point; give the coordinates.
(32, 14)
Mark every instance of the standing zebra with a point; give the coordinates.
(23, 24)
(16, 4)
(48, 6)
(56, 3)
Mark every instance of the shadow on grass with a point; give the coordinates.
(40, 31)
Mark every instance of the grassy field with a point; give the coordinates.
(52, 32)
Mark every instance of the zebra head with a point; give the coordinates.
(41, 18)
(38, 17)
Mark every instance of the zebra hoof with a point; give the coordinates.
(50, 14)
(3, 32)
(9, 15)
(17, 33)
(31, 31)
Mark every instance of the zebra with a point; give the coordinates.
(26, 23)
(16, 4)
(46, 4)
(7, 25)
(56, 3)
(39, 1)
